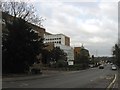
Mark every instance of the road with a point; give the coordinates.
(90, 78)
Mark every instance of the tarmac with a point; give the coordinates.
(45, 73)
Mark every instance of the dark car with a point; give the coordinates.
(101, 67)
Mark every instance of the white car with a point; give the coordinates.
(114, 67)
(91, 66)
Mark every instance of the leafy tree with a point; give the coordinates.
(57, 54)
(116, 54)
(46, 56)
(21, 44)
(22, 10)
(92, 59)
(61, 63)
(55, 57)
(83, 58)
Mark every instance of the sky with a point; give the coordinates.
(93, 23)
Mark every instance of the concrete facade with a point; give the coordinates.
(68, 50)
(63, 42)
(76, 52)
(41, 31)
(57, 39)
(49, 46)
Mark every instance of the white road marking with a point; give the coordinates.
(101, 77)
(112, 82)
(91, 80)
(108, 78)
(23, 84)
(12, 82)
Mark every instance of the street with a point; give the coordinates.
(90, 78)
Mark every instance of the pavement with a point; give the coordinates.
(90, 78)
(0, 82)
(45, 73)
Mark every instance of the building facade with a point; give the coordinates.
(76, 52)
(80, 51)
(41, 31)
(68, 50)
(57, 39)
(63, 42)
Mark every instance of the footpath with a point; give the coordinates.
(45, 73)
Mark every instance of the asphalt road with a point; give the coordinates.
(90, 78)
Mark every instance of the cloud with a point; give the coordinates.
(27, 1)
(97, 40)
(91, 23)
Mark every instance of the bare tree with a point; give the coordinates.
(22, 10)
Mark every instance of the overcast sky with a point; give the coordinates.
(93, 23)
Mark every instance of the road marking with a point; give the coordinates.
(57, 79)
(115, 77)
(91, 80)
(23, 84)
(108, 78)
(114, 85)
(12, 82)
(101, 77)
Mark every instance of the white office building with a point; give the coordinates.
(57, 39)
(63, 42)
(69, 51)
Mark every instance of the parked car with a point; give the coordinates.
(101, 67)
(111, 63)
(91, 65)
(114, 67)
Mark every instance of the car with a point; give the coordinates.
(101, 67)
(111, 63)
(114, 67)
(91, 65)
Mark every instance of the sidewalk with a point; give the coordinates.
(46, 73)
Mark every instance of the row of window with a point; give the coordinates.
(55, 42)
(54, 39)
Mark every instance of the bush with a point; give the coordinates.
(77, 67)
(36, 71)
(60, 64)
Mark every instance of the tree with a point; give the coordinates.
(45, 56)
(116, 54)
(56, 57)
(20, 47)
(93, 59)
(57, 54)
(21, 44)
(22, 10)
(83, 58)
